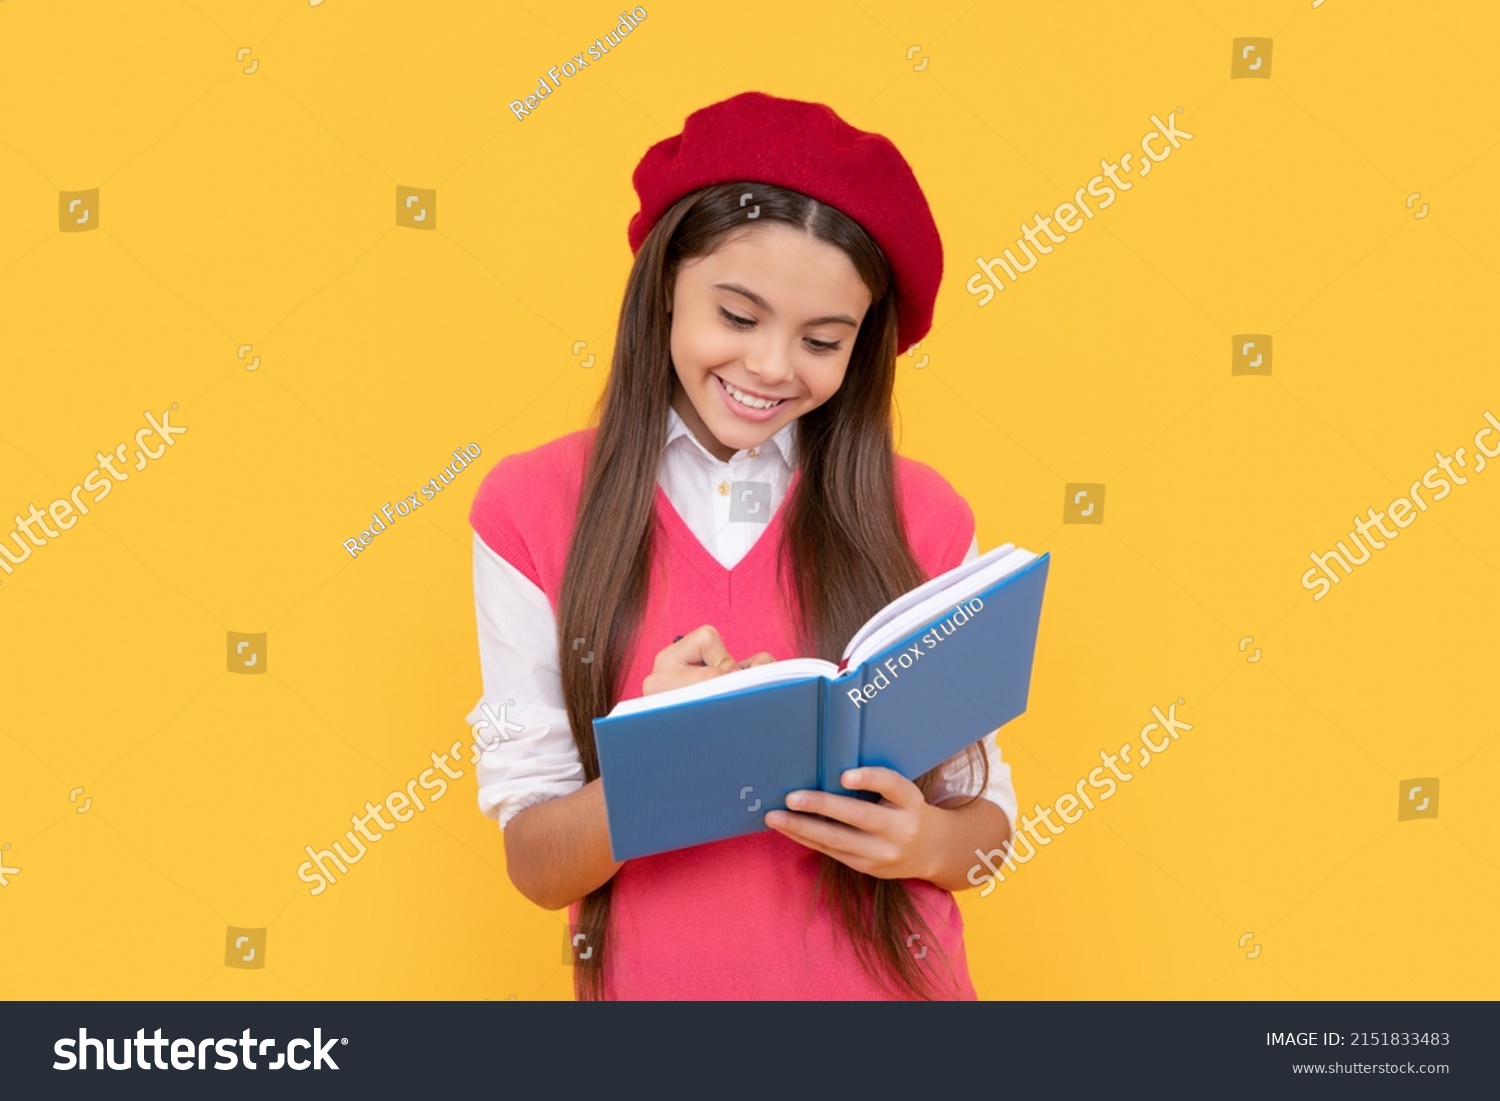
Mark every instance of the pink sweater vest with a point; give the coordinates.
(733, 919)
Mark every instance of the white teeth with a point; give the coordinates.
(745, 399)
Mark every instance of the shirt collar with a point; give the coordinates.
(783, 443)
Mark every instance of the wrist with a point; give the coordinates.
(939, 832)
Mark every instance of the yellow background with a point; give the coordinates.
(258, 208)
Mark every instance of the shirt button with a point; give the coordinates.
(723, 489)
(755, 452)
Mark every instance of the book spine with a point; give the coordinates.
(839, 725)
(825, 686)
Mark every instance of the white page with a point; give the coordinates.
(936, 597)
(921, 593)
(755, 677)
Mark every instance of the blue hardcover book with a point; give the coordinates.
(932, 672)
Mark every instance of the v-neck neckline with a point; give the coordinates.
(768, 541)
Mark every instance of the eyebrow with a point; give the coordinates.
(831, 319)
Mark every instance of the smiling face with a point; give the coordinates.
(762, 330)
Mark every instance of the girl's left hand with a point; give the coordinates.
(893, 839)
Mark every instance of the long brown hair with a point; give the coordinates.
(843, 530)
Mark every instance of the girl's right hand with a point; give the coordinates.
(695, 657)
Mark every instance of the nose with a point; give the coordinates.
(771, 365)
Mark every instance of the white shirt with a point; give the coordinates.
(518, 660)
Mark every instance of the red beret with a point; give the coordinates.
(804, 147)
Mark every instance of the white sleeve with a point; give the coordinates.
(957, 780)
(525, 754)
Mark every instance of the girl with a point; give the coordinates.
(740, 496)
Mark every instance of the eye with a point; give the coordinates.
(821, 347)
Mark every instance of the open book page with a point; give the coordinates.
(930, 601)
(910, 600)
(737, 681)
